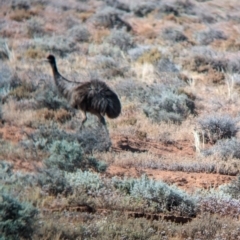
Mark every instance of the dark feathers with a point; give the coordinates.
(93, 96)
(96, 96)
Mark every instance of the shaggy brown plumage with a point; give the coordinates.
(93, 96)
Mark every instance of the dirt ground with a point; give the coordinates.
(188, 181)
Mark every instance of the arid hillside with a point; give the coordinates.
(167, 167)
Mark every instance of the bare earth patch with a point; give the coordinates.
(185, 180)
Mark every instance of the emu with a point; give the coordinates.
(92, 96)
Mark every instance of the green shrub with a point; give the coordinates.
(49, 98)
(69, 156)
(16, 218)
(53, 182)
(87, 180)
(10, 179)
(66, 156)
(162, 196)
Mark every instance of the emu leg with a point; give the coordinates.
(101, 119)
(84, 119)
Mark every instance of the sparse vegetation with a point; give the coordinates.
(168, 167)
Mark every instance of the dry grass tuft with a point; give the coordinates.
(60, 115)
(151, 56)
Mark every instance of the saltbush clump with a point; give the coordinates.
(80, 34)
(69, 156)
(35, 27)
(206, 37)
(233, 188)
(225, 148)
(109, 18)
(141, 10)
(122, 39)
(168, 106)
(9, 178)
(66, 156)
(87, 180)
(16, 218)
(213, 128)
(53, 182)
(173, 35)
(165, 65)
(165, 197)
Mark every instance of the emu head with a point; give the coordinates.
(51, 59)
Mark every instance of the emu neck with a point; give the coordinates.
(55, 70)
(60, 82)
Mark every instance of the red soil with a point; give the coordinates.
(185, 180)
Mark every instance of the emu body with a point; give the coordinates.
(92, 96)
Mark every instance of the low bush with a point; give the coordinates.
(11, 180)
(87, 180)
(165, 65)
(168, 106)
(233, 188)
(53, 182)
(64, 44)
(119, 5)
(17, 219)
(225, 149)
(152, 55)
(173, 35)
(93, 139)
(20, 4)
(35, 27)
(49, 98)
(213, 128)
(4, 50)
(206, 37)
(24, 91)
(122, 39)
(66, 156)
(8, 80)
(79, 34)
(109, 68)
(143, 9)
(109, 18)
(69, 156)
(164, 197)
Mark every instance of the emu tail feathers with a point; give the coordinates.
(104, 100)
(114, 106)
